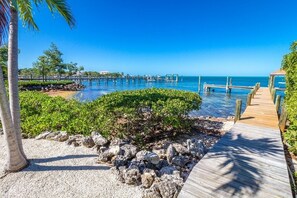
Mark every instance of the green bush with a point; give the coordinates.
(40, 113)
(290, 66)
(139, 114)
(142, 113)
(41, 83)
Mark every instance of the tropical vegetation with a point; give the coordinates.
(139, 115)
(289, 64)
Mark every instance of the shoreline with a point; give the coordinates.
(63, 94)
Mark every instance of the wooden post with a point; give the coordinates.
(237, 110)
(249, 99)
(283, 119)
(253, 93)
(277, 103)
(227, 84)
(273, 92)
(199, 84)
(272, 81)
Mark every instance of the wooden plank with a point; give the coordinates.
(248, 161)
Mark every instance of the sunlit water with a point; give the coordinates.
(215, 103)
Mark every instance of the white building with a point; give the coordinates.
(104, 72)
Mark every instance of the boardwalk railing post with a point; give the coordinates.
(273, 93)
(249, 99)
(238, 110)
(283, 119)
(277, 103)
(253, 93)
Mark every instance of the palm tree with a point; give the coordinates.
(10, 115)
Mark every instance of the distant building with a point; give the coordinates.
(104, 72)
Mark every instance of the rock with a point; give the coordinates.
(140, 165)
(180, 161)
(180, 149)
(129, 151)
(132, 176)
(88, 142)
(1, 131)
(61, 137)
(140, 155)
(162, 164)
(114, 150)
(102, 149)
(170, 186)
(119, 173)
(98, 139)
(153, 192)
(104, 156)
(71, 140)
(185, 175)
(196, 147)
(191, 165)
(152, 158)
(170, 153)
(148, 178)
(52, 135)
(42, 135)
(109, 153)
(167, 170)
(167, 186)
(119, 142)
(120, 161)
(168, 189)
(160, 152)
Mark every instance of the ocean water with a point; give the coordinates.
(215, 103)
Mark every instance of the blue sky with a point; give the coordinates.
(188, 37)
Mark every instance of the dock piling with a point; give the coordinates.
(277, 103)
(273, 94)
(283, 119)
(199, 84)
(238, 110)
(249, 99)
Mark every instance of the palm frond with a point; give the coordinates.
(26, 13)
(61, 7)
(4, 20)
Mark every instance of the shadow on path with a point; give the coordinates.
(35, 164)
(243, 160)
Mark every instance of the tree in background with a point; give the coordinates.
(10, 10)
(54, 56)
(72, 68)
(29, 72)
(42, 66)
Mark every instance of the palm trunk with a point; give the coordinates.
(15, 160)
(13, 76)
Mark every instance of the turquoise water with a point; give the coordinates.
(215, 103)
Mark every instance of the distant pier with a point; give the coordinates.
(107, 79)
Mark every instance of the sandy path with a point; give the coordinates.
(59, 170)
(63, 94)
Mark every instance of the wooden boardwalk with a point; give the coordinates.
(248, 161)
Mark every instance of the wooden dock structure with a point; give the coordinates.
(248, 161)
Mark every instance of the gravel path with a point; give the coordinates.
(58, 170)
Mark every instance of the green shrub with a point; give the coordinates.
(139, 114)
(41, 83)
(40, 113)
(290, 65)
(142, 113)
